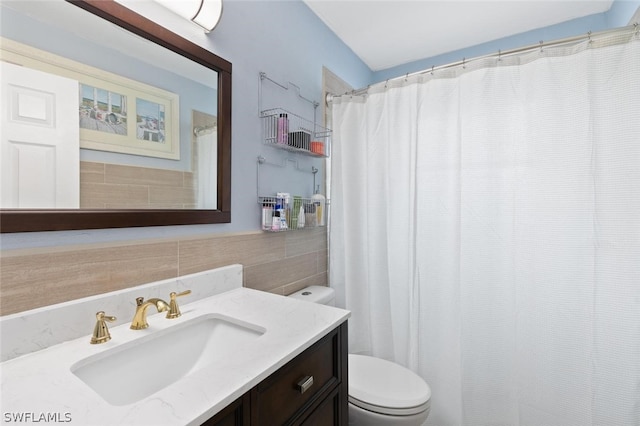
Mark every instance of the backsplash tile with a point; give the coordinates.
(104, 185)
(281, 263)
(45, 278)
(309, 241)
(120, 174)
(246, 249)
(100, 195)
(280, 273)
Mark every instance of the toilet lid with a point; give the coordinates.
(385, 387)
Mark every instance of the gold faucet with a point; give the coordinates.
(174, 310)
(139, 321)
(101, 331)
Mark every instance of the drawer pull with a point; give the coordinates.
(304, 384)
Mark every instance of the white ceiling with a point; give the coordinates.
(386, 33)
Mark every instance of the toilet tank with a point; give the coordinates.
(316, 294)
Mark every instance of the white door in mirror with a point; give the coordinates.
(40, 139)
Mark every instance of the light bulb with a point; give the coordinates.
(205, 13)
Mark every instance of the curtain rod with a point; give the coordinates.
(500, 54)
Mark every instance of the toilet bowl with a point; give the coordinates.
(380, 392)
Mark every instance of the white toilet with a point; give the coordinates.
(380, 392)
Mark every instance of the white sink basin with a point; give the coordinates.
(135, 370)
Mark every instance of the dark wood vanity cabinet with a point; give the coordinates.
(235, 414)
(311, 390)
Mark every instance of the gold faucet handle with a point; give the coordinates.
(101, 331)
(174, 310)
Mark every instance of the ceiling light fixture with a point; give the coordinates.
(205, 13)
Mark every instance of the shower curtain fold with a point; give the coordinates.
(207, 170)
(486, 234)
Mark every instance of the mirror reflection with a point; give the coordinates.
(141, 120)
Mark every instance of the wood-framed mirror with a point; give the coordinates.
(54, 219)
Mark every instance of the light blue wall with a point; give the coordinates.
(617, 16)
(281, 38)
(288, 42)
(621, 12)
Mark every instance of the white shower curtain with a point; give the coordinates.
(486, 234)
(207, 189)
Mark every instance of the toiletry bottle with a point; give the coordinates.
(320, 202)
(283, 129)
(301, 217)
(310, 214)
(275, 224)
(283, 219)
(295, 212)
(288, 207)
(281, 215)
(267, 216)
(317, 147)
(284, 199)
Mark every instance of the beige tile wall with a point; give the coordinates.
(281, 263)
(104, 185)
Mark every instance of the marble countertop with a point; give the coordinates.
(42, 384)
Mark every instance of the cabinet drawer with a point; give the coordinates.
(235, 414)
(298, 383)
(327, 413)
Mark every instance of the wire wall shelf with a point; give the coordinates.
(279, 215)
(287, 212)
(286, 130)
(290, 131)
